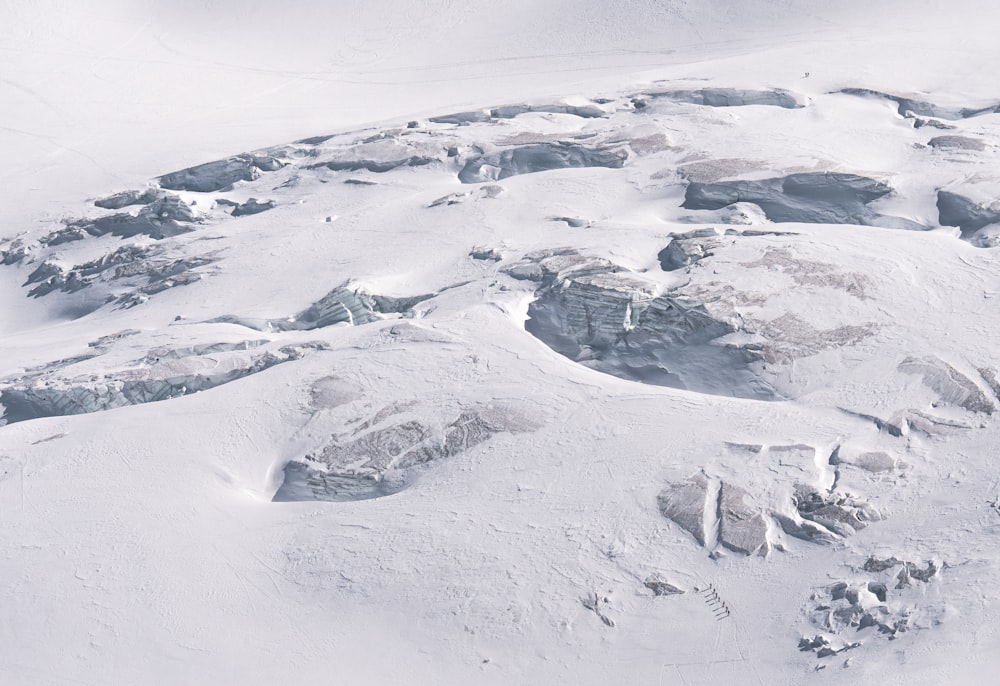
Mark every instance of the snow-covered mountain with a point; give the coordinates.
(499, 343)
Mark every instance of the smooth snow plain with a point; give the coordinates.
(446, 342)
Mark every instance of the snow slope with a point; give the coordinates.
(444, 345)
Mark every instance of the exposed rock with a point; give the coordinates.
(219, 175)
(953, 387)
(684, 504)
(742, 527)
(529, 159)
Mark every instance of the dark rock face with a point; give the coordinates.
(529, 159)
(970, 217)
(219, 175)
(814, 198)
(730, 97)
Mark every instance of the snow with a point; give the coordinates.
(496, 343)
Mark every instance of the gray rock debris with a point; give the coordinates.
(529, 159)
